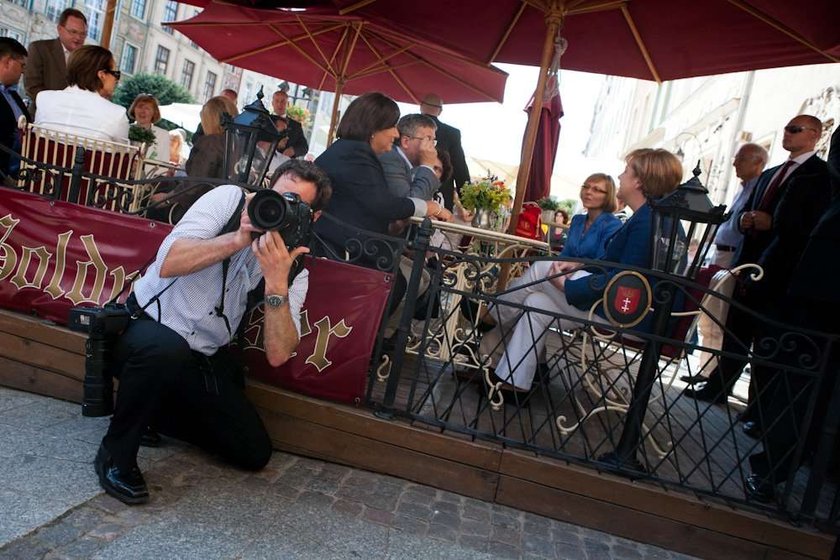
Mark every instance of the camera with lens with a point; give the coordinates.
(102, 325)
(285, 213)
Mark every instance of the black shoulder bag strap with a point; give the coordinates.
(231, 226)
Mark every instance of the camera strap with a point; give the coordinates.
(231, 226)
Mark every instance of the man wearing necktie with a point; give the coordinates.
(296, 144)
(778, 217)
(12, 108)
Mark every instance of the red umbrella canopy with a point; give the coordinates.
(332, 52)
(648, 39)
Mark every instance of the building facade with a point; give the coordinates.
(707, 119)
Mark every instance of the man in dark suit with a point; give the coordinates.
(47, 64)
(778, 217)
(449, 139)
(12, 108)
(409, 166)
(295, 145)
(811, 302)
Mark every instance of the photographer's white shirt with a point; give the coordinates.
(188, 306)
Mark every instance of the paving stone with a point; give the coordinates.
(81, 549)
(625, 552)
(387, 501)
(107, 504)
(58, 534)
(477, 528)
(411, 525)
(473, 542)
(503, 550)
(482, 514)
(506, 535)
(25, 548)
(449, 497)
(536, 525)
(449, 507)
(414, 510)
(505, 519)
(538, 546)
(378, 516)
(569, 552)
(315, 499)
(353, 509)
(444, 518)
(596, 549)
(107, 531)
(443, 532)
(413, 497)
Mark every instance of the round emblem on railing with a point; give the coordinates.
(627, 299)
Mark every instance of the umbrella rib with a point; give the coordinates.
(357, 6)
(782, 28)
(311, 37)
(596, 7)
(418, 60)
(508, 31)
(641, 44)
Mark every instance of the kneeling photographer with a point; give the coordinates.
(172, 360)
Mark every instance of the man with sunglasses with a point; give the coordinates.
(46, 67)
(776, 221)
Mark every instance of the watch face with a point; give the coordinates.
(274, 300)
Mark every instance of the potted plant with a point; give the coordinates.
(142, 137)
(549, 205)
(485, 198)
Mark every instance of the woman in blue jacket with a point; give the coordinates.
(649, 174)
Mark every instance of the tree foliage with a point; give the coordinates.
(165, 90)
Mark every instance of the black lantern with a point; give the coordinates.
(250, 142)
(684, 215)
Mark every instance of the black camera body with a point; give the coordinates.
(285, 213)
(103, 325)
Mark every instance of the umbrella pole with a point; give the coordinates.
(339, 86)
(553, 20)
(108, 24)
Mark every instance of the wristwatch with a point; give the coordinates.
(275, 300)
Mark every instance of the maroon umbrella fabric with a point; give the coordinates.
(545, 149)
(648, 39)
(347, 54)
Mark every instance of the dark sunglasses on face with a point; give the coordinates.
(796, 129)
(115, 73)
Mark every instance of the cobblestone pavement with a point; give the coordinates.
(51, 506)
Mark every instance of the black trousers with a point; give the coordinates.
(182, 394)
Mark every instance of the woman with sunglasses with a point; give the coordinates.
(84, 108)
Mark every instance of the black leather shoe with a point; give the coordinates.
(759, 489)
(128, 487)
(692, 379)
(150, 438)
(752, 429)
(707, 393)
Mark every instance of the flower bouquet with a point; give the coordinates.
(299, 114)
(144, 138)
(486, 198)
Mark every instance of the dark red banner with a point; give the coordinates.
(55, 255)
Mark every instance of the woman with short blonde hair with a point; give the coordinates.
(211, 114)
(207, 157)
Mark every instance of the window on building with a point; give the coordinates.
(129, 59)
(95, 11)
(209, 85)
(161, 60)
(170, 13)
(54, 8)
(12, 33)
(24, 3)
(138, 9)
(187, 74)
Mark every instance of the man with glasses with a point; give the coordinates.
(785, 205)
(46, 68)
(12, 108)
(409, 166)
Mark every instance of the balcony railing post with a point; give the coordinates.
(76, 175)
(419, 246)
(624, 455)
